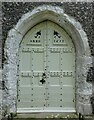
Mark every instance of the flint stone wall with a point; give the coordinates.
(82, 12)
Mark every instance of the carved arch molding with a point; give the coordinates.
(83, 55)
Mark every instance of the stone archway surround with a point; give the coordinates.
(83, 56)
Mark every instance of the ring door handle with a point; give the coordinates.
(43, 77)
(42, 81)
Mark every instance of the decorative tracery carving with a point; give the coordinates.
(36, 38)
(38, 34)
(56, 34)
(57, 38)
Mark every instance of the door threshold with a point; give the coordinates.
(37, 110)
(45, 114)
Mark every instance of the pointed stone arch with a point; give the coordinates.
(83, 54)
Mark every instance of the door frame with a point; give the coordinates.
(83, 54)
(47, 35)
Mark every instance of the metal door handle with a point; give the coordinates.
(42, 81)
(43, 77)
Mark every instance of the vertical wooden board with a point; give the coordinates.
(68, 62)
(25, 61)
(68, 81)
(38, 96)
(54, 61)
(25, 81)
(38, 61)
(53, 81)
(23, 105)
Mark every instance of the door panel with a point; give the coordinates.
(55, 80)
(23, 105)
(25, 63)
(54, 61)
(31, 67)
(38, 61)
(46, 69)
(25, 81)
(61, 66)
(38, 96)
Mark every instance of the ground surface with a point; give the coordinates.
(51, 116)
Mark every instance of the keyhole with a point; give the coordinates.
(43, 75)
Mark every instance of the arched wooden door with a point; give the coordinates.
(46, 70)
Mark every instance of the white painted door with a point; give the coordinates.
(46, 70)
